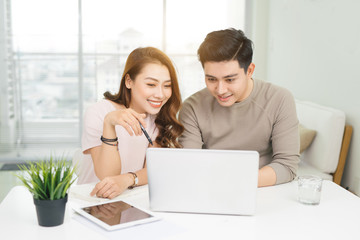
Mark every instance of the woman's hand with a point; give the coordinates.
(111, 187)
(128, 118)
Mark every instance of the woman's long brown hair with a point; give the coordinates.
(169, 126)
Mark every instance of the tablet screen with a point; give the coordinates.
(116, 213)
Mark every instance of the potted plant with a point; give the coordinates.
(48, 181)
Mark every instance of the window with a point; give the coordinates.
(62, 55)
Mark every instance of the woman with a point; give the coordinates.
(113, 142)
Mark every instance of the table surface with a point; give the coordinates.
(278, 216)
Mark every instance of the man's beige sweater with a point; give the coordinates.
(266, 122)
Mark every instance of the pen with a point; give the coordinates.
(146, 134)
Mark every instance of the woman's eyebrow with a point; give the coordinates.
(155, 79)
(151, 78)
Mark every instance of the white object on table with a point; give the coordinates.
(279, 215)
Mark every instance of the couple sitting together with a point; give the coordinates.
(234, 112)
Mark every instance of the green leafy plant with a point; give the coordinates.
(48, 179)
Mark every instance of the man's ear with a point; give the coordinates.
(250, 70)
(128, 81)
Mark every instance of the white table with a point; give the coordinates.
(279, 216)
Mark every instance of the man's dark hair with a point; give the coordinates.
(226, 45)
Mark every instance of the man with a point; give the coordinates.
(237, 112)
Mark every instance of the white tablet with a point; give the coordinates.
(116, 215)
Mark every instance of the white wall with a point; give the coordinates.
(313, 49)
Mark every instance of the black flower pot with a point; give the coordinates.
(50, 213)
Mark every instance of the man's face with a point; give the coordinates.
(227, 82)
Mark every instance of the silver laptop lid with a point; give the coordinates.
(202, 180)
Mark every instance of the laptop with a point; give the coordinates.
(202, 180)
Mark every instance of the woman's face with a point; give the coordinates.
(150, 89)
